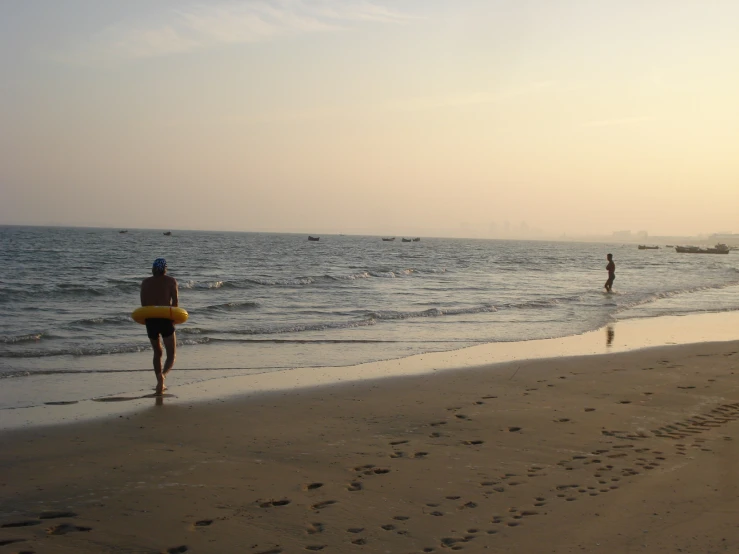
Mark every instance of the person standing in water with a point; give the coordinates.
(160, 290)
(611, 269)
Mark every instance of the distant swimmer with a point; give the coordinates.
(160, 290)
(611, 269)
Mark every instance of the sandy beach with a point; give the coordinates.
(624, 452)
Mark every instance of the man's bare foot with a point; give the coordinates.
(161, 387)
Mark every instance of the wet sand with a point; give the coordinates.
(613, 453)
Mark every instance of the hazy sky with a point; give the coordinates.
(417, 117)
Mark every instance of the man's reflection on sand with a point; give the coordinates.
(610, 333)
(158, 398)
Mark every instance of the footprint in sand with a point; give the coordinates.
(274, 503)
(354, 486)
(203, 523)
(315, 528)
(419, 455)
(65, 528)
(26, 523)
(177, 549)
(315, 547)
(473, 443)
(62, 403)
(56, 515)
(395, 443)
(312, 486)
(451, 541)
(321, 505)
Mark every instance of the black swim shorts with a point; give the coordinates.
(157, 326)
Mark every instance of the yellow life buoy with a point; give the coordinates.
(178, 315)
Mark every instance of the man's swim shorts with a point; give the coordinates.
(157, 326)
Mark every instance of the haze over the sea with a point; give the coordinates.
(471, 118)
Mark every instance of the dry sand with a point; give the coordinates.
(616, 453)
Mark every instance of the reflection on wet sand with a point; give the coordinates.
(610, 333)
(159, 397)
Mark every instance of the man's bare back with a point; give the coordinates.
(159, 290)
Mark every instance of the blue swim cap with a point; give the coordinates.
(159, 265)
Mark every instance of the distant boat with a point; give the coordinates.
(124, 231)
(405, 240)
(644, 247)
(167, 233)
(417, 239)
(718, 249)
(388, 239)
(314, 238)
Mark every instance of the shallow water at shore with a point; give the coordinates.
(54, 398)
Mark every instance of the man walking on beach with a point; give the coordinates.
(160, 290)
(611, 268)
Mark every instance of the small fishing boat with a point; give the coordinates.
(313, 239)
(167, 233)
(645, 247)
(405, 240)
(718, 249)
(389, 239)
(123, 231)
(417, 239)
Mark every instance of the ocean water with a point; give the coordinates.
(271, 302)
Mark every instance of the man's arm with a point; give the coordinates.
(175, 293)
